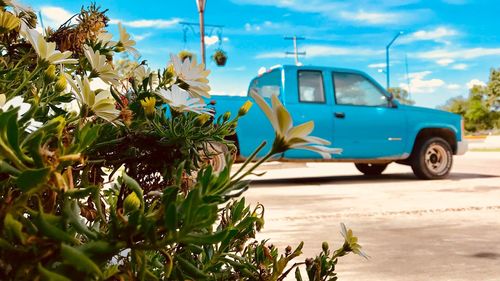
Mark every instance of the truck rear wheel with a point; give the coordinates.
(432, 159)
(371, 169)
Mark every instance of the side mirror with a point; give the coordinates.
(391, 102)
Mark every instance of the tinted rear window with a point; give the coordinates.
(268, 84)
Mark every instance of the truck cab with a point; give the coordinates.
(357, 115)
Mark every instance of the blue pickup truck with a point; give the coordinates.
(357, 115)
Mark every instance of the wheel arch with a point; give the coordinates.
(445, 133)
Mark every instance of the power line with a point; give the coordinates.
(295, 52)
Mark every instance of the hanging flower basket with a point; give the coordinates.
(220, 57)
(185, 54)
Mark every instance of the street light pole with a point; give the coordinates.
(201, 10)
(387, 72)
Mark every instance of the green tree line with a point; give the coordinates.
(481, 109)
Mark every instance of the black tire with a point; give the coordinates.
(371, 169)
(432, 159)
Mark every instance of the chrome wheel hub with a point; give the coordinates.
(436, 159)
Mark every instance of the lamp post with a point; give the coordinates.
(387, 58)
(201, 9)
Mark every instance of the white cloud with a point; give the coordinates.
(419, 75)
(327, 51)
(460, 66)
(54, 16)
(377, 65)
(475, 82)
(438, 35)
(445, 62)
(374, 18)
(210, 40)
(418, 83)
(453, 86)
(140, 37)
(471, 53)
(252, 27)
(356, 12)
(147, 23)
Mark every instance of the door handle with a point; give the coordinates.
(339, 114)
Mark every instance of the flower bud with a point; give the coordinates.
(50, 74)
(202, 119)
(245, 108)
(119, 49)
(61, 83)
(325, 246)
(131, 203)
(226, 116)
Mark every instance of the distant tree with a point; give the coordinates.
(494, 89)
(401, 95)
(475, 109)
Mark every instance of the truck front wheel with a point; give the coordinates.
(432, 159)
(371, 169)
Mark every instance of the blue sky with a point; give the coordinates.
(449, 44)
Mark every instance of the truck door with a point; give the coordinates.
(366, 125)
(308, 98)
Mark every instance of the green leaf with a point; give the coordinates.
(79, 260)
(298, 276)
(47, 228)
(171, 217)
(13, 132)
(201, 239)
(190, 269)
(13, 228)
(33, 146)
(87, 136)
(30, 179)
(51, 276)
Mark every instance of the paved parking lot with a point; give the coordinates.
(412, 229)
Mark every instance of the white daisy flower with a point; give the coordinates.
(193, 75)
(46, 51)
(15, 102)
(141, 73)
(18, 102)
(105, 38)
(288, 136)
(181, 101)
(101, 104)
(100, 66)
(125, 41)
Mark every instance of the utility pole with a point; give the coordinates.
(201, 10)
(407, 76)
(387, 72)
(295, 52)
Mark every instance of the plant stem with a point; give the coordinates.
(250, 158)
(25, 82)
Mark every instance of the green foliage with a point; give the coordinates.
(121, 182)
(401, 95)
(476, 110)
(493, 97)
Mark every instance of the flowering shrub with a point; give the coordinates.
(128, 178)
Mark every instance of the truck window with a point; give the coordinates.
(268, 84)
(354, 89)
(311, 86)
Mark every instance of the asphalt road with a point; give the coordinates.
(412, 229)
